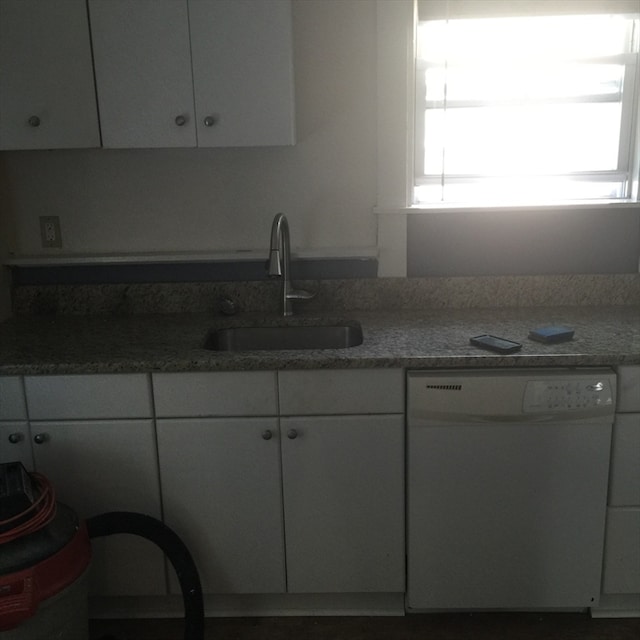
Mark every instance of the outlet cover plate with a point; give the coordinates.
(50, 232)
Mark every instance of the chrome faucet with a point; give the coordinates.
(280, 264)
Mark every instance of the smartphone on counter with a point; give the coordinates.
(493, 343)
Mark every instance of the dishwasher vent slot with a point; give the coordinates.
(444, 387)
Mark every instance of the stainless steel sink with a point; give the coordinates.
(274, 338)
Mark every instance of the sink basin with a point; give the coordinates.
(274, 338)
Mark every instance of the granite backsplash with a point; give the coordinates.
(366, 294)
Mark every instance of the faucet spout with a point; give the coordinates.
(275, 270)
(279, 251)
(280, 264)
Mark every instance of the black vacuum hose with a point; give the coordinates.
(157, 532)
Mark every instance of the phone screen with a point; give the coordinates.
(496, 344)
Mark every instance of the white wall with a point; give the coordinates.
(224, 199)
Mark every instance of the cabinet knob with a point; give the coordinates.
(181, 120)
(209, 121)
(40, 438)
(292, 434)
(267, 435)
(34, 121)
(14, 438)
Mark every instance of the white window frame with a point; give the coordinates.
(397, 20)
(621, 174)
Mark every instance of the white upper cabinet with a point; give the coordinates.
(243, 72)
(242, 81)
(142, 64)
(47, 92)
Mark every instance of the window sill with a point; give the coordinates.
(551, 206)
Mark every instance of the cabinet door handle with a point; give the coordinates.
(292, 434)
(209, 121)
(267, 435)
(181, 120)
(40, 438)
(15, 438)
(34, 121)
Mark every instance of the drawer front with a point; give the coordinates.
(12, 404)
(226, 393)
(628, 388)
(77, 397)
(624, 484)
(622, 551)
(332, 392)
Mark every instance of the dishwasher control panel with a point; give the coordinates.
(481, 395)
(570, 394)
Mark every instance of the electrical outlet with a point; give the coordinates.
(50, 232)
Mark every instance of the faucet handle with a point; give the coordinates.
(227, 306)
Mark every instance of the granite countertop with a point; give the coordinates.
(427, 338)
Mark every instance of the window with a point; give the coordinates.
(525, 110)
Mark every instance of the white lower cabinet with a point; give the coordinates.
(622, 552)
(621, 568)
(269, 503)
(343, 486)
(278, 482)
(219, 455)
(94, 439)
(101, 466)
(15, 445)
(222, 496)
(343, 479)
(621, 573)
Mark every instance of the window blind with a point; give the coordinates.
(529, 103)
(443, 9)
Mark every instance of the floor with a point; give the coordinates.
(467, 626)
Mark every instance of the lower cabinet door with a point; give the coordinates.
(622, 551)
(624, 480)
(100, 466)
(14, 444)
(221, 489)
(343, 486)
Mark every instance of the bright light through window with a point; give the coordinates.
(525, 109)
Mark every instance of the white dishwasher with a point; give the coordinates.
(507, 487)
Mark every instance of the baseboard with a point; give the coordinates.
(223, 606)
(619, 605)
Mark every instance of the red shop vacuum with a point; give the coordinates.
(45, 554)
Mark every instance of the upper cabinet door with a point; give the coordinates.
(243, 72)
(47, 93)
(143, 73)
